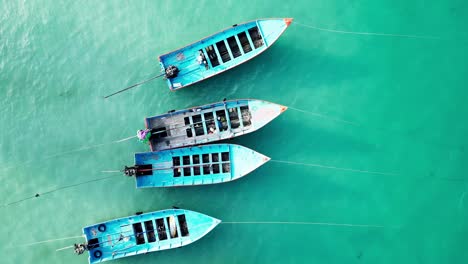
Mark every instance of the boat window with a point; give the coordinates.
(162, 235)
(183, 225)
(189, 129)
(221, 119)
(246, 117)
(201, 59)
(225, 156)
(186, 161)
(93, 243)
(234, 47)
(197, 123)
(226, 167)
(233, 115)
(209, 123)
(206, 158)
(159, 132)
(176, 163)
(256, 37)
(138, 232)
(244, 42)
(189, 132)
(196, 170)
(187, 171)
(212, 55)
(149, 227)
(206, 169)
(196, 159)
(172, 227)
(214, 157)
(215, 168)
(225, 57)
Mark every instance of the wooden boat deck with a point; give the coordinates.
(210, 123)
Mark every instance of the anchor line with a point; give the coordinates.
(50, 240)
(99, 237)
(73, 151)
(55, 190)
(366, 33)
(335, 168)
(324, 116)
(135, 85)
(89, 147)
(304, 223)
(60, 249)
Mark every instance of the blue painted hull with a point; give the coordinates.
(206, 164)
(210, 123)
(222, 51)
(150, 232)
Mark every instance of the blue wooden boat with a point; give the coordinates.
(221, 51)
(143, 233)
(205, 164)
(209, 123)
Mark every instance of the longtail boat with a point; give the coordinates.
(209, 123)
(205, 164)
(143, 233)
(220, 52)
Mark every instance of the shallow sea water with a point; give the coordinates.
(406, 99)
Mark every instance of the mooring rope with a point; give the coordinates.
(334, 168)
(55, 190)
(50, 240)
(366, 33)
(324, 116)
(303, 223)
(135, 85)
(72, 151)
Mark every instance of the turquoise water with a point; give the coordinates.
(406, 98)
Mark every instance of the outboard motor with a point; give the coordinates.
(130, 171)
(172, 72)
(80, 248)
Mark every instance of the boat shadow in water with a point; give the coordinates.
(305, 136)
(283, 180)
(285, 66)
